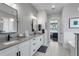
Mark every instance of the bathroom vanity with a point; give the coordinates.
(22, 46)
(17, 46)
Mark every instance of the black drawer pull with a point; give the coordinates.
(33, 39)
(34, 43)
(40, 39)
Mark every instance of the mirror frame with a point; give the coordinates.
(15, 16)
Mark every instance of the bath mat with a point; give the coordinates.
(42, 49)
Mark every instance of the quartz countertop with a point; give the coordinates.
(17, 40)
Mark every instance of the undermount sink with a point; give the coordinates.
(11, 42)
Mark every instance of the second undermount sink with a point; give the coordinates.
(10, 42)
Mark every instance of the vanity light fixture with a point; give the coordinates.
(12, 19)
(33, 17)
(53, 6)
(78, 8)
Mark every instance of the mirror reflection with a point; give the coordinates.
(8, 20)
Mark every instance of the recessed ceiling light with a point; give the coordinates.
(53, 6)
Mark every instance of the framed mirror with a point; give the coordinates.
(8, 19)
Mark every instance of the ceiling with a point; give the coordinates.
(48, 7)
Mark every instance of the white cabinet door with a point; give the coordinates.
(41, 39)
(12, 51)
(45, 39)
(24, 48)
(35, 44)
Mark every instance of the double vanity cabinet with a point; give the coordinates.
(26, 48)
(20, 46)
(16, 50)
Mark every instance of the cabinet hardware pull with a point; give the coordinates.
(33, 39)
(40, 39)
(33, 43)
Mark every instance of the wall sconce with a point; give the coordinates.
(11, 19)
(33, 17)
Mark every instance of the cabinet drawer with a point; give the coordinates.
(34, 40)
(40, 41)
(34, 45)
(34, 49)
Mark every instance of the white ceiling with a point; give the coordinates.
(47, 7)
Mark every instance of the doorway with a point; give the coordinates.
(54, 30)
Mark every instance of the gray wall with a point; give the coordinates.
(25, 10)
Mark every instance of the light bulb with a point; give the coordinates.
(12, 19)
(53, 6)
